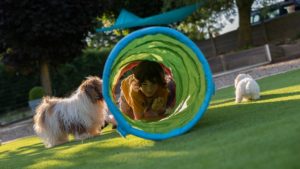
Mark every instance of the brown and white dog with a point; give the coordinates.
(82, 114)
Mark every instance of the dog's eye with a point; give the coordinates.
(99, 97)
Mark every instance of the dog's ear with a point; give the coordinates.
(91, 93)
(237, 79)
(93, 88)
(235, 83)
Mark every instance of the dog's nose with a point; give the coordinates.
(100, 97)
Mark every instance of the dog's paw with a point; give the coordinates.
(238, 100)
(106, 123)
(50, 145)
(83, 136)
(114, 127)
(247, 99)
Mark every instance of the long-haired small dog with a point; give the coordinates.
(82, 114)
(246, 88)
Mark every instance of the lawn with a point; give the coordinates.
(264, 134)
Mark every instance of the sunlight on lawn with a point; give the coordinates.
(278, 95)
(259, 134)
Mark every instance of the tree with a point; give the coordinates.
(112, 11)
(203, 24)
(244, 9)
(244, 31)
(226, 6)
(45, 33)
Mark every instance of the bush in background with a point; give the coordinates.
(36, 92)
(14, 86)
(66, 78)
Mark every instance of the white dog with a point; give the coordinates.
(82, 114)
(246, 88)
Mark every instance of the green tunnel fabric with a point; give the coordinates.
(187, 72)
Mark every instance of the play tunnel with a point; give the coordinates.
(190, 72)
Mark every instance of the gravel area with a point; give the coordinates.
(258, 72)
(16, 130)
(25, 128)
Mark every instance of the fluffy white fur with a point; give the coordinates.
(82, 114)
(246, 88)
(109, 119)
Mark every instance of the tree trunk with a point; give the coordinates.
(244, 31)
(265, 32)
(45, 77)
(213, 44)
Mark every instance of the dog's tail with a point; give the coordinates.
(252, 87)
(248, 88)
(40, 115)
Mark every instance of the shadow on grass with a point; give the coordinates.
(273, 96)
(222, 102)
(216, 124)
(254, 110)
(30, 154)
(263, 97)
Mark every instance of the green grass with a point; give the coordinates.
(264, 134)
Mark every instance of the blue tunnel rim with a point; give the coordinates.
(124, 127)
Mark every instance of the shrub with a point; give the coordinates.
(14, 87)
(66, 78)
(36, 92)
(298, 36)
